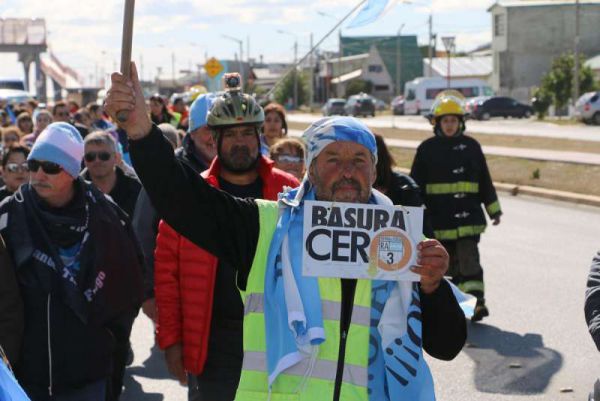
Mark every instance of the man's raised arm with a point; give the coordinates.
(216, 221)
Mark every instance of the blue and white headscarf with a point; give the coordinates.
(337, 129)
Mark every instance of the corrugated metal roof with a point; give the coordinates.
(462, 66)
(265, 73)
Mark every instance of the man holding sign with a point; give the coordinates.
(307, 337)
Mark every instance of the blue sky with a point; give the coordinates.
(86, 34)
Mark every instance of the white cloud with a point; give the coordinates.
(438, 6)
(466, 41)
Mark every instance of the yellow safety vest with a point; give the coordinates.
(289, 386)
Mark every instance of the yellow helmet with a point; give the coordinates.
(196, 91)
(447, 104)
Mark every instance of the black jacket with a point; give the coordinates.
(145, 225)
(403, 190)
(229, 229)
(125, 192)
(11, 307)
(60, 350)
(592, 301)
(4, 193)
(454, 179)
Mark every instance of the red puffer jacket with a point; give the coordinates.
(185, 275)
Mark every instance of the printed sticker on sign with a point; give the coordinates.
(350, 240)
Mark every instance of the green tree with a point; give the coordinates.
(541, 101)
(357, 86)
(285, 90)
(558, 83)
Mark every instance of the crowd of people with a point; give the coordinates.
(194, 215)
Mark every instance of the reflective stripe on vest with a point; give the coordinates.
(323, 369)
(452, 188)
(255, 303)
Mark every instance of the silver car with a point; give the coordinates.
(587, 108)
(334, 107)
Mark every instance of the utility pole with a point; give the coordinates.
(141, 67)
(311, 63)
(173, 67)
(449, 42)
(296, 74)
(338, 88)
(576, 54)
(248, 49)
(242, 59)
(398, 61)
(430, 47)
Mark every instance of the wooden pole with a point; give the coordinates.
(127, 39)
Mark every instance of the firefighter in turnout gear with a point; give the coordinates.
(452, 172)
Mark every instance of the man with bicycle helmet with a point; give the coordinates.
(202, 332)
(451, 170)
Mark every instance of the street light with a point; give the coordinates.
(338, 88)
(398, 66)
(241, 44)
(449, 46)
(281, 31)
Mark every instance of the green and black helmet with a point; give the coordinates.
(234, 107)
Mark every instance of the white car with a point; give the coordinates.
(14, 96)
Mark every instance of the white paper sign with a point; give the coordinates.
(351, 240)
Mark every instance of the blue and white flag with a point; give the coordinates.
(369, 13)
(9, 387)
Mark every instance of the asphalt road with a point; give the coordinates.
(495, 126)
(534, 344)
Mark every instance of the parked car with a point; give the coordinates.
(587, 108)
(360, 105)
(14, 96)
(398, 106)
(498, 106)
(380, 105)
(334, 107)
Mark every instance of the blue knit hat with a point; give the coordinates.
(199, 111)
(62, 144)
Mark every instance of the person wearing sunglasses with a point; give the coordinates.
(15, 170)
(60, 112)
(79, 270)
(102, 160)
(288, 155)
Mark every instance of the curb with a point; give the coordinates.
(564, 196)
